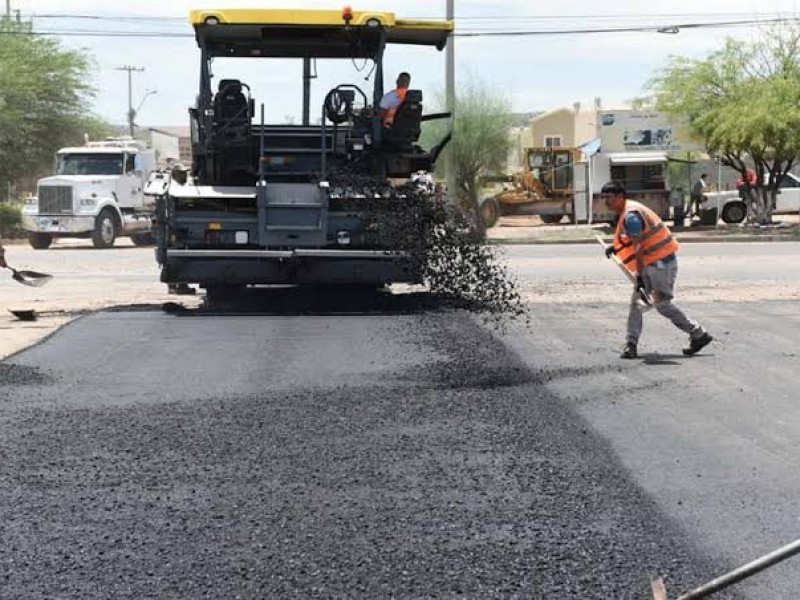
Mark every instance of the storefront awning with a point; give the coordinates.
(637, 158)
(591, 148)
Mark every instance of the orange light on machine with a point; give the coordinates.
(215, 226)
(347, 14)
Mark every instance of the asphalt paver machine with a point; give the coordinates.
(278, 204)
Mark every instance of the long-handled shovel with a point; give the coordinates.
(644, 301)
(735, 576)
(31, 278)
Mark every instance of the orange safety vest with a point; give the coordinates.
(656, 240)
(388, 117)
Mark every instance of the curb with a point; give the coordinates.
(687, 239)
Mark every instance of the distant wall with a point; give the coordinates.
(559, 122)
(166, 146)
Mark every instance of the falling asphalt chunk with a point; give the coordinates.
(442, 244)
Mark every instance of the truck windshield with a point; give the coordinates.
(89, 164)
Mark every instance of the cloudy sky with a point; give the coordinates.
(536, 73)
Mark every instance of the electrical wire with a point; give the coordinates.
(670, 28)
(674, 27)
(98, 33)
(514, 18)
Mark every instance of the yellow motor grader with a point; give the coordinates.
(546, 187)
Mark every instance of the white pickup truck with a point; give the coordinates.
(97, 192)
(732, 209)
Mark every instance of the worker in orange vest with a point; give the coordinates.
(646, 247)
(392, 100)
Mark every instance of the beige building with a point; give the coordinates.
(564, 127)
(182, 137)
(520, 138)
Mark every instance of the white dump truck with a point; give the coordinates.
(97, 193)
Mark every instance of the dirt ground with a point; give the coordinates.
(87, 280)
(84, 280)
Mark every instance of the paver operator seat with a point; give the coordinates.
(407, 125)
(233, 114)
(232, 111)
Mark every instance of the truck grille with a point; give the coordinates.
(55, 199)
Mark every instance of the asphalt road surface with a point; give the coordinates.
(408, 453)
(713, 439)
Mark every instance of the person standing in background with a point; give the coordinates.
(698, 189)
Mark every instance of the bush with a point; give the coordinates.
(10, 219)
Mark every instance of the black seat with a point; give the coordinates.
(407, 125)
(232, 134)
(230, 104)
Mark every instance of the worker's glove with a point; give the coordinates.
(639, 282)
(610, 250)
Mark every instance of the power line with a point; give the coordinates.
(99, 33)
(480, 32)
(608, 16)
(514, 18)
(671, 28)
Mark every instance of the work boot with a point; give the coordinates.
(629, 351)
(697, 344)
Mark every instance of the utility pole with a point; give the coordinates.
(8, 9)
(131, 112)
(450, 94)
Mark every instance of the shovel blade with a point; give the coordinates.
(24, 315)
(659, 589)
(31, 278)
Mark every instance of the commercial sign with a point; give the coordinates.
(633, 130)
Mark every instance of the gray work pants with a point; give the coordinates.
(659, 281)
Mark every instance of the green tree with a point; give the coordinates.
(10, 218)
(744, 102)
(480, 141)
(45, 100)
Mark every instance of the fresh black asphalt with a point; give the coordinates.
(149, 455)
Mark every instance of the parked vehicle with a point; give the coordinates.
(559, 182)
(97, 192)
(545, 188)
(733, 209)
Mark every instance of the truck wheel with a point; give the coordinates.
(734, 212)
(143, 239)
(40, 241)
(551, 219)
(489, 212)
(105, 229)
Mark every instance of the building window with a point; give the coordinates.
(639, 178)
(552, 141)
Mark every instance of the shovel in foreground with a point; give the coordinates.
(728, 579)
(31, 278)
(644, 301)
